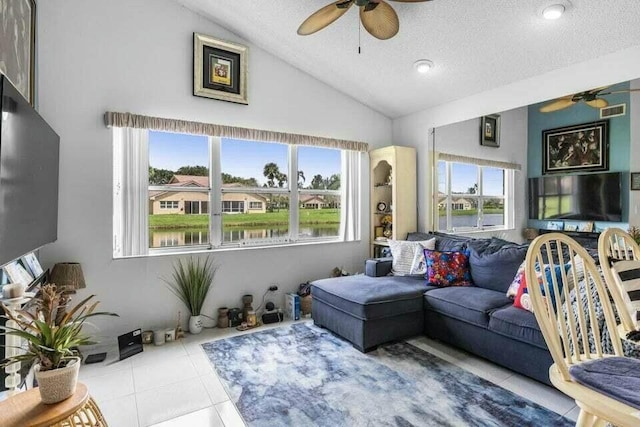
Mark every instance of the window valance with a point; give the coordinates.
(480, 162)
(136, 121)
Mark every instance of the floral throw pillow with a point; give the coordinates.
(447, 268)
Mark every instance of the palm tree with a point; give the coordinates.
(301, 177)
(271, 171)
(317, 183)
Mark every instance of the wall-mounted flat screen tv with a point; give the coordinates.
(588, 197)
(29, 156)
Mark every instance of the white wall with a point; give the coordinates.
(414, 130)
(136, 56)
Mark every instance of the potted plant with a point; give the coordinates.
(53, 333)
(191, 282)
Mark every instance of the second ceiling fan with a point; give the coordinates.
(377, 17)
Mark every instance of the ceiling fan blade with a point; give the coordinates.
(597, 103)
(381, 21)
(558, 104)
(410, 1)
(324, 17)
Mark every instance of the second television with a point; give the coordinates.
(586, 197)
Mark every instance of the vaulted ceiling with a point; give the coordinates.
(476, 45)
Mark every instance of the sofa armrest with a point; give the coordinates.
(378, 267)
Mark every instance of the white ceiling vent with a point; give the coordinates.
(613, 111)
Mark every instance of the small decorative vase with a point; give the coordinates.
(57, 385)
(388, 232)
(195, 324)
(247, 300)
(223, 317)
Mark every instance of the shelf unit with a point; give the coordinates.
(393, 181)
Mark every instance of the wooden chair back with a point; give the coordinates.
(617, 244)
(567, 329)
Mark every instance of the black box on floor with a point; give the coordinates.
(130, 344)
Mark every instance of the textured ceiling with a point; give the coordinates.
(476, 45)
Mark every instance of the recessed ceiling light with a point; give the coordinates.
(423, 66)
(553, 12)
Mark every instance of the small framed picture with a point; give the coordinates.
(490, 131)
(586, 227)
(635, 181)
(17, 273)
(32, 264)
(555, 225)
(379, 232)
(570, 227)
(220, 69)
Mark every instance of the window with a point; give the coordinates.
(473, 197)
(319, 192)
(230, 206)
(205, 192)
(169, 204)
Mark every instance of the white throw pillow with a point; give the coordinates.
(408, 257)
(627, 276)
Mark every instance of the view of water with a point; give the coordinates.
(164, 238)
(463, 221)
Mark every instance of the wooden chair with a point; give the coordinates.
(615, 243)
(566, 329)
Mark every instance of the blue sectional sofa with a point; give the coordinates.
(374, 308)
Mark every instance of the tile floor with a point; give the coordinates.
(175, 385)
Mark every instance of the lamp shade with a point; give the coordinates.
(68, 275)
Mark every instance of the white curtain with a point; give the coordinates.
(350, 211)
(130, 197)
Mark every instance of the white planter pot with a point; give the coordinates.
(195, 324)
(57, 385)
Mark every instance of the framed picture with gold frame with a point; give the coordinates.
(18, 45)
(220, 69)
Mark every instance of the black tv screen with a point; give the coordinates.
(29, 156)
(589, 197)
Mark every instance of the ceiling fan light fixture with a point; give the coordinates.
(553, 12)
(423, 66)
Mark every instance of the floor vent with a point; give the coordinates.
(613, 111)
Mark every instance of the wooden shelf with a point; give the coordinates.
(399, 163)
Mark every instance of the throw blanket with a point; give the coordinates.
(579, 302)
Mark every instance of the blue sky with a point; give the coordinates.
(239, 158)
(465, 176)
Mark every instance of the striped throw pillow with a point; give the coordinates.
(627, 276)
(408, 257)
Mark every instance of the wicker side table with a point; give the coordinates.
(26, 409)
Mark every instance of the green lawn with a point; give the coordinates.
(307, 217)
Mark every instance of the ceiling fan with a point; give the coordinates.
(590, 97)
(377, 17)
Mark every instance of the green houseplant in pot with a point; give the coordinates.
(52, 332)
(191, 282)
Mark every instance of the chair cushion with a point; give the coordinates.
(469, 304)
(371, 297)
(495, 270)
(518, 324)
(616, 377)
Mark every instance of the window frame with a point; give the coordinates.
(216, 191)
(479, 197)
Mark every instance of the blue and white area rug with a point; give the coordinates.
(301, 375)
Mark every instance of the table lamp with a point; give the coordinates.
(68, 275)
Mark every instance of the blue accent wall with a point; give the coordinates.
(619, 141)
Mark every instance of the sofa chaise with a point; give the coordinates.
(375, 307)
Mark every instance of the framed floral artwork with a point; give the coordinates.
(220, 69)
(579, 148)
